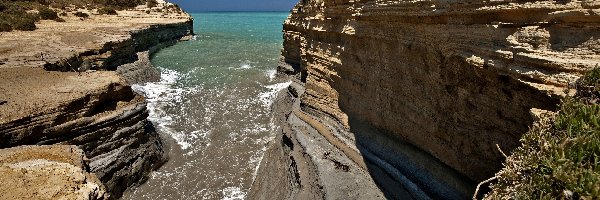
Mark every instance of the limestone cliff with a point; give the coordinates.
(58, 85)
(456, 79)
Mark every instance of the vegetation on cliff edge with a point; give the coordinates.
(560, 155)
(23, 14)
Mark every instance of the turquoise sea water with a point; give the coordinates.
(213, 106)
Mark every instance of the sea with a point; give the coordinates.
(213, 106)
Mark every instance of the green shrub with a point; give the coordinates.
(588, 87)
(560, 155)
(107, 11)
(14, 16)
(19, 20)
(119, 3)
(151, 3)
(24, 24)
(5, 27)
(46, 13)
(81, 14)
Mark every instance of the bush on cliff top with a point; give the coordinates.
(15, 15)
(46, 13)
(560, 155)
(81, 14)
(84, 3)
(107, 11)
(18, 21)
(151, 3)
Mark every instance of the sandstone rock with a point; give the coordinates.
(453, 78)
(50, 103)
(47, 172)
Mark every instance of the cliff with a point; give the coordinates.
(455, 80)
(69, 83)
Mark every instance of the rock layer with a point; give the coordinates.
(47, 172)
(53, 94)
(456, 79)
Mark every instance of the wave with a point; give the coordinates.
(268, 97)
(159, 95)
(233, 193)
(272, 74)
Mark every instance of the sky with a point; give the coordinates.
(235, 5)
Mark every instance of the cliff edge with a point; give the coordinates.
(421, 95)
(68, 83)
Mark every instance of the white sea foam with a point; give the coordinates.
(245, 66)
(233, 193)
(158, 95)
(272, 73)
(268, 97)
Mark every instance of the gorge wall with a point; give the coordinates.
(59, 87)
(458, 80)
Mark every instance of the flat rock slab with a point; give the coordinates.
(53, 41)
(47, 172)
(33, 90)
(26, 88)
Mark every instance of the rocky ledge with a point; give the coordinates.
(420, 98)
(68, 83)
(47, 172)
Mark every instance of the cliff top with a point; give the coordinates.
(47, 172)
(52, 40)
(26, 88)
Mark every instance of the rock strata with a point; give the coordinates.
(453, 79)
(47, 172)
(72, 95)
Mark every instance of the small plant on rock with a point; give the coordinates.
(107, 11)
(47, 14)
(24, 24)
(81, 14)
(151, 3)
(5, 27)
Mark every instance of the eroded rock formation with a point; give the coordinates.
(456, 79)
(58, 86)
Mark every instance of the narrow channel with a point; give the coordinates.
(212, 106)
